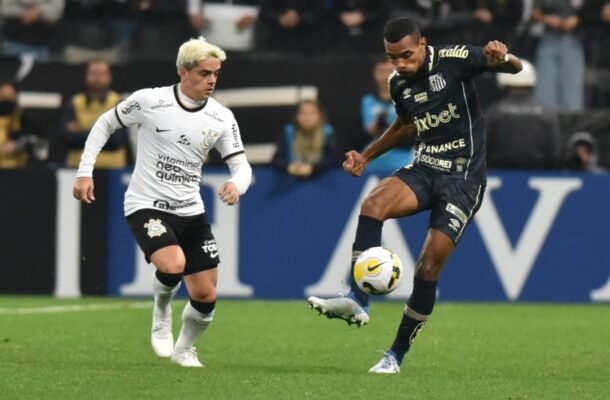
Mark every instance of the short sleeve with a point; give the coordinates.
(131, 110)
(230, 142)
(474, 63)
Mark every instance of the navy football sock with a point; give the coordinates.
(368, 234)
(418, 309)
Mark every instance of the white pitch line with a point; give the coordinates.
(76, 308)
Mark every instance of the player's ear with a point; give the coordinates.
(423, 41)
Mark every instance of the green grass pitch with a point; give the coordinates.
(282, 350)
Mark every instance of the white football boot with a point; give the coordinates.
(387, 365)
(340, 307)
(161, 337)
(186, 357)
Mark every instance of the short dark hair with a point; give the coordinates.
(397, 28)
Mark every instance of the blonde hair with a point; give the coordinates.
(195, 50)
(309, 145)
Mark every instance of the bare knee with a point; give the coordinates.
(170, 260)
(173, 266)
(203, 294)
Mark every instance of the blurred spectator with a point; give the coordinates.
(356, 25)
(421, 11)
(90, 30)
(581, 153)
(595, 16)
(498, 19)
(81, 112)
(560, 58)
(12, 149)
(20, 146)
(30, 26)
(442, 21)
(307, 147)
(162, 26)
(522, 132)
(290, 25)
(377, 114)
(229, 24)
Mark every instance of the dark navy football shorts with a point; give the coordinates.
(452, 201)
(154, 230)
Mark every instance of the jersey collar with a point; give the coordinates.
(185, 108)
(431, 59)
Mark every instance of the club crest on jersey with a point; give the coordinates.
(209, 137)
(155, 228)
(437, 82)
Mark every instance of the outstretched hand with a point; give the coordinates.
(354, 163)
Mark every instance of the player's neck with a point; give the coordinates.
(187, 101)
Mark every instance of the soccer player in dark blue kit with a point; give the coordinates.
(436, 100)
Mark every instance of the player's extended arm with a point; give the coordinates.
(105, 125)
(397, 133)
(499, 60)
(401, 129)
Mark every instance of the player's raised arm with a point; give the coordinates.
(499, 60)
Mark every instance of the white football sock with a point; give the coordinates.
(194, 324)
(163, 294)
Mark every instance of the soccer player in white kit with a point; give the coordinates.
(177, 126)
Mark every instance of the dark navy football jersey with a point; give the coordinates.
(442, 101)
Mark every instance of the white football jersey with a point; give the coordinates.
(173, 142)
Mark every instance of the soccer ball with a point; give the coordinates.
(378, 271)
